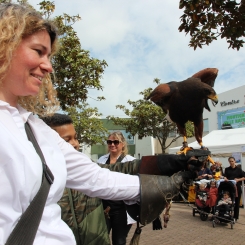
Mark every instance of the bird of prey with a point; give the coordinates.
(184, 101)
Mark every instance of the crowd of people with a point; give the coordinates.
(214, 176)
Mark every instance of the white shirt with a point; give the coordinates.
(127, 158)
(21, 174)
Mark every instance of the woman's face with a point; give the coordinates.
(30, 63)
(232, 162)
(115, 148)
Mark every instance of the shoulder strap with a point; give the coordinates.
(119, 159)
(25, 231)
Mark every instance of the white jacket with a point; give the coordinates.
(104, 158)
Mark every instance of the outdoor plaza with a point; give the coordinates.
(184, 229)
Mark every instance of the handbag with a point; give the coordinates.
(25, 230)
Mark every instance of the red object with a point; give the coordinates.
(213, 195)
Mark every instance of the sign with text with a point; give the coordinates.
(234, 118)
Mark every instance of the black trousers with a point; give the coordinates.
(237, 202)
(119, 227)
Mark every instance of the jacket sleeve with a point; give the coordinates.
(131, 167)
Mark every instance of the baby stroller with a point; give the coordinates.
(201, 203)
(222, 216)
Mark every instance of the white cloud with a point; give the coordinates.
(140, 41)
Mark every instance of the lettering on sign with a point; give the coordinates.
(224, 103)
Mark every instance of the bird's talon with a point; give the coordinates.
(184, 150)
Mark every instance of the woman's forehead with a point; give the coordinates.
(112, 137)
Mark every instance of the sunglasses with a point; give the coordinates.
(115, 142)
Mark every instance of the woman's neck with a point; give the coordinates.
(115, 154)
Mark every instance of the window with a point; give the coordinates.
(173, 133)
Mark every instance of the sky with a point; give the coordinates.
(140, 41)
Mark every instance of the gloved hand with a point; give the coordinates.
(156, 190)
(169, 164)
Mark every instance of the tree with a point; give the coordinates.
(75, 70)
(88, 126)
(147, 119)
(207, 20)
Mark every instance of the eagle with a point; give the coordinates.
(185, 101)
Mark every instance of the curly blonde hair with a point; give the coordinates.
(16, 23)
(119, 136)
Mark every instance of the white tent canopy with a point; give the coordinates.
(220, 141)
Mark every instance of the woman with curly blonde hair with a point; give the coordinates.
(18, 23)
(27, 43)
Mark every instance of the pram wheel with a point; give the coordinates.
(203, 217)
(213, 223)
(231, 225)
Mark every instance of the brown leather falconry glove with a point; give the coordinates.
(155, 192)
(168, 164)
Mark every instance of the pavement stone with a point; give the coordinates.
(185, 229)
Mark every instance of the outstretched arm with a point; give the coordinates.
(166, 164)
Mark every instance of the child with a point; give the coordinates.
(213, 194)
(217, 171)
(202, 193)
(223, 204)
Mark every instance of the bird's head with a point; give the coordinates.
(214, 98)
(210, 94)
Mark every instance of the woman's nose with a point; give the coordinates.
(46, 65)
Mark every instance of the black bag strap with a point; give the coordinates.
(25, 231)
(119, 159)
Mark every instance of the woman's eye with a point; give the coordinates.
(38, 51)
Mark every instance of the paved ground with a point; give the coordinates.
(184, 229)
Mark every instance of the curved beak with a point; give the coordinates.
(214, 99)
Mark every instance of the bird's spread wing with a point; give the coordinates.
(207, 75)
(161, 94)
